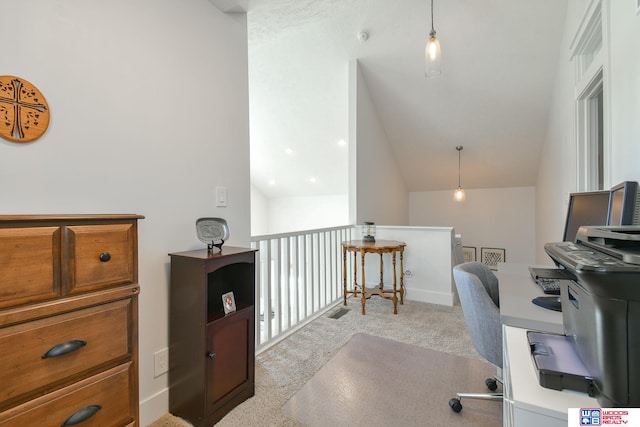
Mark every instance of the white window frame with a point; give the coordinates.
(589, 54)
(591, 162)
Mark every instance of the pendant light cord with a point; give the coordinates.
(459, 148)
(432, 16)
(458, 168)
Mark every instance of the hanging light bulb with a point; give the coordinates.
(459, 195)
(432, 55)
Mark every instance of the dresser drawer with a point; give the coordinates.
(87, 340)
(101, 256)
(105, 400)
(29, 265)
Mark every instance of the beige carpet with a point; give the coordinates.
(168, 420)
(286, 367)
(377, 382)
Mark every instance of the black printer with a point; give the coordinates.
(601, 308)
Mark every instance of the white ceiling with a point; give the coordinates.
(493, 97)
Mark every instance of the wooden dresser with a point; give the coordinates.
(69, 320)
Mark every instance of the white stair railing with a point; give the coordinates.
(299, 276)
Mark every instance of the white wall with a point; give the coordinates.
(557, 170)
(428, 256)
(625, 90)
(149, 113)
(493, 218)
(259, 212)
(381, 196)
(298, 100)
(289, 214)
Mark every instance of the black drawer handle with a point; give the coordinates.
(64, 348)
(81, 415)
(105, 256)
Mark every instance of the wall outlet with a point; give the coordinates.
(160, 362)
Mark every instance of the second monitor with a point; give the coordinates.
(585, 208)
(624, 205)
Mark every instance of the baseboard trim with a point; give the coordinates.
(154, 407)
(440, 298)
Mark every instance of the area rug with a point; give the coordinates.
(374, 381)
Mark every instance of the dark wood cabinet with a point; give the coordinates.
(211, 354)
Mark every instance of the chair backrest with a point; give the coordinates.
(478, 291)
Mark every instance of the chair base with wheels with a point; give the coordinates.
(491, 383)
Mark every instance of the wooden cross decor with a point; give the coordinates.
(24, 113)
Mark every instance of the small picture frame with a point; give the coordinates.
(228, 303)
(492, 256)
(469, 253)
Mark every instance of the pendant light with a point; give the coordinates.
(459, 195)
(432, 54)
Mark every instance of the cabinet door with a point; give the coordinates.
(231, 370)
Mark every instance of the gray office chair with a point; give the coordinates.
(478, 292)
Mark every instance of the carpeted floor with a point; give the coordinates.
(286, 367)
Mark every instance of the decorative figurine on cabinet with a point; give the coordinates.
(213, 232)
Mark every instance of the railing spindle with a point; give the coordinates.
(299, 277)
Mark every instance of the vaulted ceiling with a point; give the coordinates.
(498, 69)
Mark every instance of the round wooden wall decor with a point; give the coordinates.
(24, 113)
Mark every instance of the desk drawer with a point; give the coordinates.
(101, 256)
(25, 372)
(109, 390)
(29, 265)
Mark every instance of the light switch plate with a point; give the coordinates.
(221, 196)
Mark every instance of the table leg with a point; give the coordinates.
(381, 284)
(364, 283)
(344, 274)
(395, 297)
(401, 277)
(355, 274)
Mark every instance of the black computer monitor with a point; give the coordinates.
(585, 208)
(623, 206)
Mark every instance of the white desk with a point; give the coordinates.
(526, 402)
(517, 289)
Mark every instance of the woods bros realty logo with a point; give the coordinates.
(604, 417)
